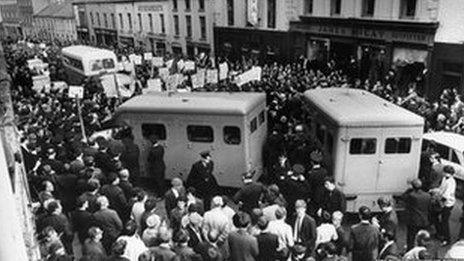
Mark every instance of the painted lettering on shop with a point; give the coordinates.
(150, 8)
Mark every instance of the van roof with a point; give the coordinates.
(212, 103)
(449, 139)
(360, 108)
(88, 52)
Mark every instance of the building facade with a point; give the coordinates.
(56, 21)
(160, 26)
(10, 24)
(26, 11)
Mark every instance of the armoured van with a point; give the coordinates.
(232, 126)
(373, 146)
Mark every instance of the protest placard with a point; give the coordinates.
(59, 86)
(163, 73)
(137, 60)
(154, 85)
(171, 82)
(223, 71)
(41, 82)
(158, 61)
(254, 74)
(76, 92)
(212, 76)
(189, 66)
(34, 63)
(147, 56)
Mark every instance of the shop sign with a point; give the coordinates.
(150, 8)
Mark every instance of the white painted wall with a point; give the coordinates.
(451, 18)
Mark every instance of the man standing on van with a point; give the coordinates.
(202, 179)
(156, 165)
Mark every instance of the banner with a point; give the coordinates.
(189, 66)
(212, 76)
(76, 92)
(33, 63)
(223, 71)
(158, 61)
(41, 82)
(59, 86)
(126, 85)
(147, 56)
(254, 74)
(154, 85)
(252, 12)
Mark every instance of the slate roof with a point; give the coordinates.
(57, 10)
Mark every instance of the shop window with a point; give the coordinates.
(150, 129)
(188, 22)
(139, 15)
(368, 7)
(363, 146)
(203, 27)
(253, 125)
(113, 21)
(150, 21)
(408, 8)
(309, 6)
(271, 13)
(261, 118)
(176, 25)
(230, 12)
(232, 135)
(121, 21)
(129, 18)
(197, 133)
(397, 145)
(335, 7)
(163, 27)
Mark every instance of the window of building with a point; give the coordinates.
(203, 27)
(368, 7)
(174, 5)
(176, 24)
(113, 21)
(187, 5)
(129, 18)
(121, 21)
(98, 20)
(188, 23)
(163, 28)
(335, 7)
(150, 21)
(363, 146)
(230, 12)
(139, 16)
(105, 18)
(309, 6)
(253, 125)
(261, 118)
(158, 131)
(398, 145)
(197, 133)
(232, 135)
(408, 8)
(271, 13)
(201, 5)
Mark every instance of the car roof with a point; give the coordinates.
(217, 103)
(449, 139)
(360, 108)
(87, 52)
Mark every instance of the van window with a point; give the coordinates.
(149, 129)
(397, 145)
(363, 146)
(232, 135)
(329, 143)
(253, 125)
(442, 150)
(261, 118)
(198, 133)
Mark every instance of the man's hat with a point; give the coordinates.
(205, 154)
(298, 169)
(316, 156)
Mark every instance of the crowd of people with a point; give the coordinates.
(89, 193)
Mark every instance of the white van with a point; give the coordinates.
(233, 126)
(373, 146)
(450, 146)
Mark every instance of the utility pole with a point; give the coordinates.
(11, 160)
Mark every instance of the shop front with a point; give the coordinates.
(126, 41)
(83, 34)
(107, 37)
(366, 49)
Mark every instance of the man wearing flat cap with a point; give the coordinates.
(202, 179)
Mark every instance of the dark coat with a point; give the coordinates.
(243, 247)
(116, 198)
(267, 245)
(109, 221)
(160, 253)
(315, 179)
(92, 199)
(333, 201)
(127, 188)
(392, 250)
(250, 195)
(194, 238)
(156, 164)
(93, 250)
(202, 179)
(209, 252)
(364, 242)
(308, 232)
(130, 158)
(81, 221)
(170, 200)
(418, 207)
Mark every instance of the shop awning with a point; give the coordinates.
(407, 55)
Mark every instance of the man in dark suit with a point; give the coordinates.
(194, 230)
(331, 198)
(418, 204)
(364, 237)
(125, 184)
(249, 196)
(208, 249)
(267, 242)
(103, 159)
(202, 179)
(109, 221)
(156, 165)
(170, 198)
(81, 219)
(304, 227)
(116, 197)
(242, 246)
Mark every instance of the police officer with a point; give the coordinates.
(202, 179)
(249, 196)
